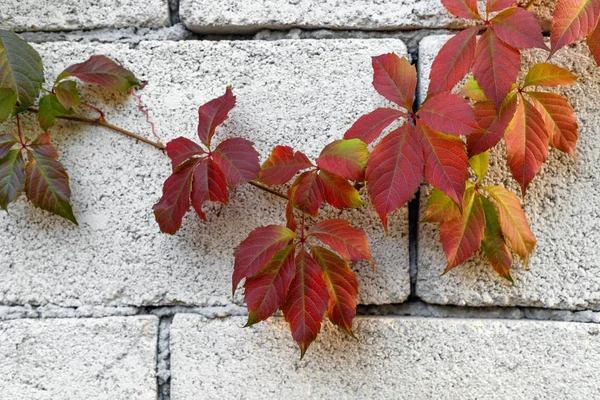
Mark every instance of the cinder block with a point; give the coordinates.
(74, 359)
(302, 93)
(394, 358)
(60, 15)
(562, 205)
(246, 16)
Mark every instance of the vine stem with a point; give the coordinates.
(20, 133)
(102, 122)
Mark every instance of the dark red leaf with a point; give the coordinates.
(349, 242)
(342, 286)
(518, 28)
(368, 127)
(213, 114)
(180, 149)
(255, 252)
(289, 212)
(265, 292)
(395, 79)
(306, 301)
(394, 171)
(346, 158)
(103, 71)
(282, 165)
(453, 62)
(448, 113)
(12, 177)
(7, 141)
(238, 160)
(308, 193)
(208, 184)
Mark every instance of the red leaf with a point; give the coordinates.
(518, 28)
(289, 212)
(238, 160)
(282, 165)
(306, 301)
(448, 113)
(494, 246)
(440, 208)
(338, 192)
(461, 237)
(446, 163)
(496, 67)
(265, 293)
(346, 158)
(395, 79)
(342, 286)
(462, 8)
(593, 41)
(560, 120)
(351, 243)
(368, 127)
(513, 221)
(103, 71)
(180, 149)
(453, 62)
(208, 184)
(495, 126)
(394, 171)
(308, 193)
(213, 114)
(526, 143)
(573, 20)
(498, 5)
(175, 201)
(12, 177)
(254, 253)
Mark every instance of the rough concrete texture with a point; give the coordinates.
(562, 206)
(74, 359)
(226, 16)
(303, 93)
(59, 15)
(399, 358)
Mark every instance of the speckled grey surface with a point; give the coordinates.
(75, 359)
(562, 205)
(399, 358)
(303, 93)
(59, 15)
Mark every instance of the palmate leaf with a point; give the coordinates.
(395, 79)
(12, 177)
(462, 236)
(342, 287)
(394, 171)
(518, 28)
(346, 158)
(559, 118)
(101, 70)
(527, 140)
(21, 70)
(497, 252)
(573, 20)
(370, 126)
(282, 165)
(47, 182)
(307, 301)
(349, 242)
(213, 114)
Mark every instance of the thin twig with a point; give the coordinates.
(268, 189)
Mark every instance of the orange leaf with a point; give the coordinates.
(546, 74)
(573, 20)
(560, 120)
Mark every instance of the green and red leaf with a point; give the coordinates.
(7, 141)
(12, 177)
(448, 113)
(546, 74)
(560, 120)
(494, 246)
(573, 20)
(342, 287)
(49, 109)
(282, 165)
(67, 94)
(307, 301)
(518, 28)
(462, 8)
(101, 70)
(395, 79)
(394, 171)
(8, 101)
(213, 114)
(349, 242)
(238, 160)
(346, 158)
(255, 252)
(368, 127)
(498, 5)
(338, 192)
(440, 208)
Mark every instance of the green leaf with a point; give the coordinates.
(480, 164)
(8, 100)
(473, 91)
(67, 94)
(47, 182)
(21, 69)
(12, 177)
(50, 108)
(494, 245)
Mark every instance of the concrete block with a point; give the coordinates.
(302, 93)
(60, 15)
(562, 206)
(74, 359)
(246, 16)
(395, 357)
